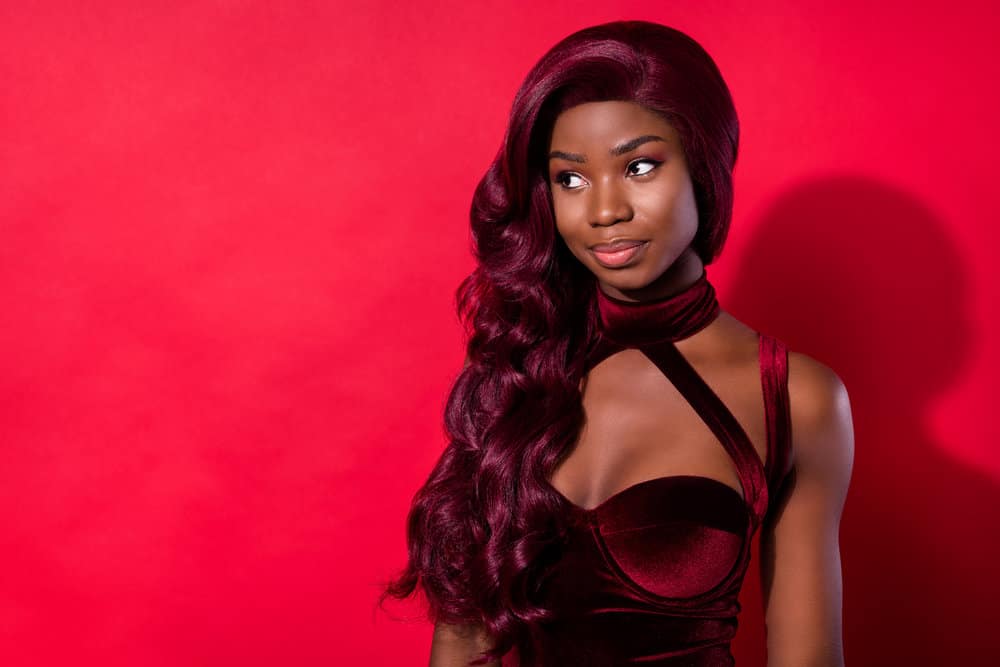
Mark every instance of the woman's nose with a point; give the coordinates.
(609, 204)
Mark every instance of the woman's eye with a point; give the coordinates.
(569, 180)
(640, 167)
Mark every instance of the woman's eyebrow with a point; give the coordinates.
(620, 149)
(632, 144)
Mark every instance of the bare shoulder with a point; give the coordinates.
(822, 430)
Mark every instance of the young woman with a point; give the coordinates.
(616, 438)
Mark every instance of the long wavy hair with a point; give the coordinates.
(485, 526)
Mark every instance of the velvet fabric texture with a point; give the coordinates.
(651, 576)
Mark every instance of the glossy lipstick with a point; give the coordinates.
(615, 255)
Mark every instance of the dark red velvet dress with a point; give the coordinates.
(651, 575)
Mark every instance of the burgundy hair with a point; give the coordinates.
(486, 524)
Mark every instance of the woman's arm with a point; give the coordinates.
(457, 645)
(800, 545)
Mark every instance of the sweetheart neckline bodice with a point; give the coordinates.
(652, 573)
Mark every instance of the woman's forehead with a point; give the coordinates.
(607, 124)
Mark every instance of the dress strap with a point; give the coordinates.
(774, 382)
(717, 417)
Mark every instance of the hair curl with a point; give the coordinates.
(485, 526)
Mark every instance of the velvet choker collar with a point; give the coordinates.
(636, 323)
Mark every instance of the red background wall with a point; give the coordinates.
(230, 234)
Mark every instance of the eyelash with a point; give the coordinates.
(563, 175)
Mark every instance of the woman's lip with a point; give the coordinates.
(617, 258)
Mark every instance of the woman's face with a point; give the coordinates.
(622, 196)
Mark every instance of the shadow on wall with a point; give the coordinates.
(862, 277)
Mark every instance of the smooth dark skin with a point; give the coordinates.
(610, 179)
